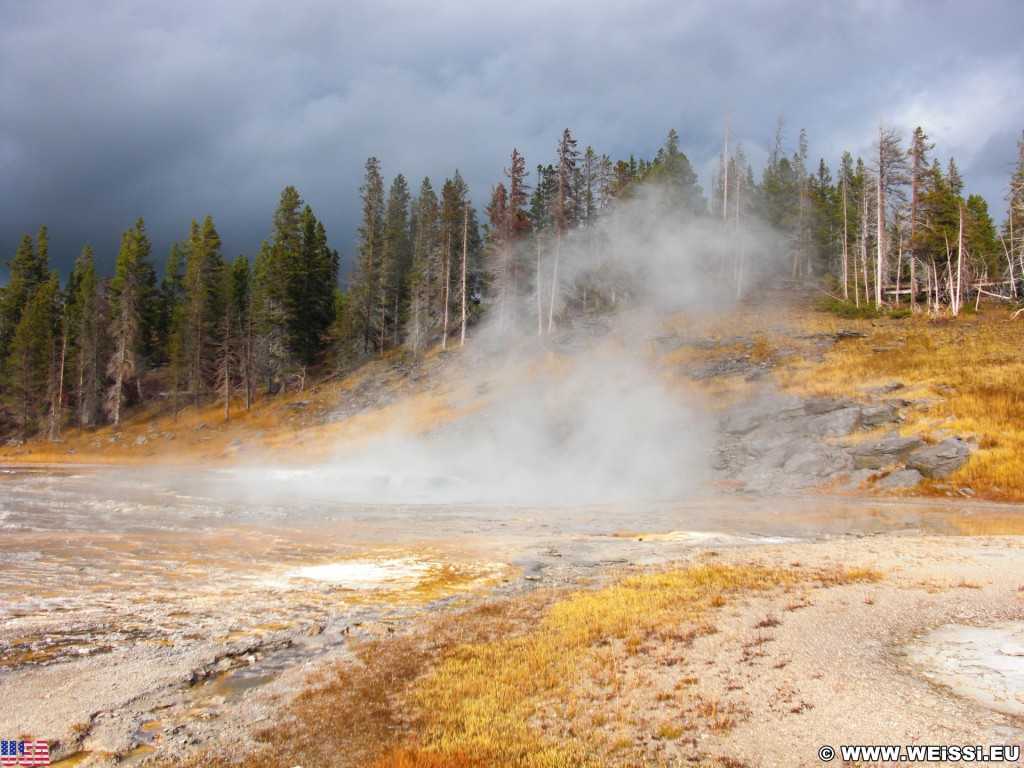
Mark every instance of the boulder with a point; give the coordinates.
(884, 452)
(819, 405)
(816, 461)
(940, 460)
(749, 416)
(902, 478)
(836, 423)
(878, 415)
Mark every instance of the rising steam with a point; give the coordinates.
(577, 416)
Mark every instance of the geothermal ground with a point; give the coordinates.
(187, 591)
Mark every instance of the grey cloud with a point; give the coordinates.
(115, 108)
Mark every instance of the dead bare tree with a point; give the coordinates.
(891, 175)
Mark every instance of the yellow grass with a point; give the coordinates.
(967, 376)
(524, 682)
(507, 702)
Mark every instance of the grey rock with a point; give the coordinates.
(940, 460)
(884, 452)
(768, 419)
(820, 405)
(835, 423)
(902, 478)
(858, 478)
(817, 461)
(878, 415)
(770, 437)
(112, 734)
(720, 462)
(747, 417)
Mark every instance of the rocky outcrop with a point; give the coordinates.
(940, 460)
(783, 443)
(885, 452)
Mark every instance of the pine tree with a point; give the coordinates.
(565, 213)
(672, 170)
(397, 256)
(30, 365)
(195, 327)
(938, 231)
(293, 283)
(227, 361)
(1013, 227)
(542, 201)
(312, 292)
(890, 170)
(803, 251)
(424, 277)
(981, 239)
(269, 319)
(87, 321)
(28, 271)
(366, 280)
(278, 272)
(953, 178)
(499, 251)
(918, 152)
(171, 296)
(451, 223)
(509, 223)
(131, 289)
(240, 303)
(825, 215)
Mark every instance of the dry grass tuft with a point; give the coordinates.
(414, 758)
(834, 577)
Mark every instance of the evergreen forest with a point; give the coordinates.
(893, 232)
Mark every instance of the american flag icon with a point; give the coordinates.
(24, 752)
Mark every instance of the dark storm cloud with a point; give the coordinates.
(113, 109)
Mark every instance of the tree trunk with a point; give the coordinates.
(960, 260)
(846, 248)
(540, 304)
(899, 271)
(856, 285)
(57, 406)
(446, 294)
(465, 259)
(554, 281)
(880, 235)
(725, 172)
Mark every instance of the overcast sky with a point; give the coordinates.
(114, 109)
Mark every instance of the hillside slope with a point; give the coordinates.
(957, 380)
